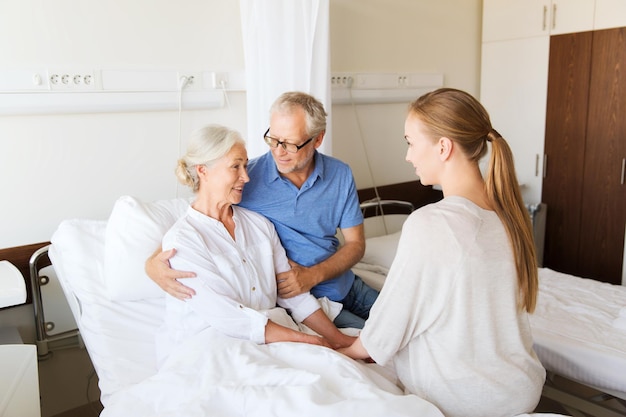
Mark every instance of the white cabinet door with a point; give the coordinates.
(610, 14)
(515, 19)
(514, 82)
(569, 16)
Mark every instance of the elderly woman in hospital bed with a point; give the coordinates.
(236, 254)
(453, 313)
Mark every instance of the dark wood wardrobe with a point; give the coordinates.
(585, 150)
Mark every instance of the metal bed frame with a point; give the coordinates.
(44, 341)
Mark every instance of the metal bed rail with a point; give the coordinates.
(379, 206)
(45, 342)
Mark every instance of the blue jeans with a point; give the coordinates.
(356, 305)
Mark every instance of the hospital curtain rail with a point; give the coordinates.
(45, 342)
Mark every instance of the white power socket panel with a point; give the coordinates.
(225, 80)
(341, 80)
(219, 80)
(194, 80)
(72, 80)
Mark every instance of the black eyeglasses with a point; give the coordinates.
(289, 147)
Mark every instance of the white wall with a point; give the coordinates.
(397, 36)
(54, 167)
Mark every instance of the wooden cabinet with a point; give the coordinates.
(516, 55)
(585, 147)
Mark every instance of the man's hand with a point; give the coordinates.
(296, 281)
(159, 270)
(301, 278)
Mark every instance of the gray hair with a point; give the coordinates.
(207, 145)
(313, 108)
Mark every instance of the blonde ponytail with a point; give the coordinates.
(455, 114)
(504, 193)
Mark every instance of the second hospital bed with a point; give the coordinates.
(579, 326)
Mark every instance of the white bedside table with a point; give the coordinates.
(19, 381)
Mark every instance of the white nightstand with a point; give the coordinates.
(19, 380)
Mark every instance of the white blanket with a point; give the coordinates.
(214, 375)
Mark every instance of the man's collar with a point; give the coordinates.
(273, 174)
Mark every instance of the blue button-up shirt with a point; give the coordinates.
(307, 219)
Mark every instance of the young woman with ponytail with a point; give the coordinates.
(453, 313)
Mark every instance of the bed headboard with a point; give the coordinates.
(413, 191)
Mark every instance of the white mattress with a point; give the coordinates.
(574, 331)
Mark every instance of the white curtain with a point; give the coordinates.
(286, 48)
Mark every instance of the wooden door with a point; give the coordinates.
(604, 193)
(566, 126)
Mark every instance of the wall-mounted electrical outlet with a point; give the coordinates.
(341, 80)
(219, 80)
(227, 81)
(190, 80)
(71, 80)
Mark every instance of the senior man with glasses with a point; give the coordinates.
(307, 196)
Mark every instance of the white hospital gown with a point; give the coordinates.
(447, 315)
(235, 281)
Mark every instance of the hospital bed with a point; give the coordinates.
(579, 328)
(118, 310)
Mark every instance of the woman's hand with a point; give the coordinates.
(356, 351)
(275, 332)
(317, 340)
(343, 341)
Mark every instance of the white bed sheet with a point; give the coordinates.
(214, 375)
(574, 332)
(209, 375)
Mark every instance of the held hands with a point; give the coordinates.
(158, 269)
(317, 340)
(296, 281)
(356, 351)
(343, 341)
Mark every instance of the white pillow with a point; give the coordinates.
(381, 250)
(134, 231)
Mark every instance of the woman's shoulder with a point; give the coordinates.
(456, 206)
(431, 212)
(448, 214)
(181, 230)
